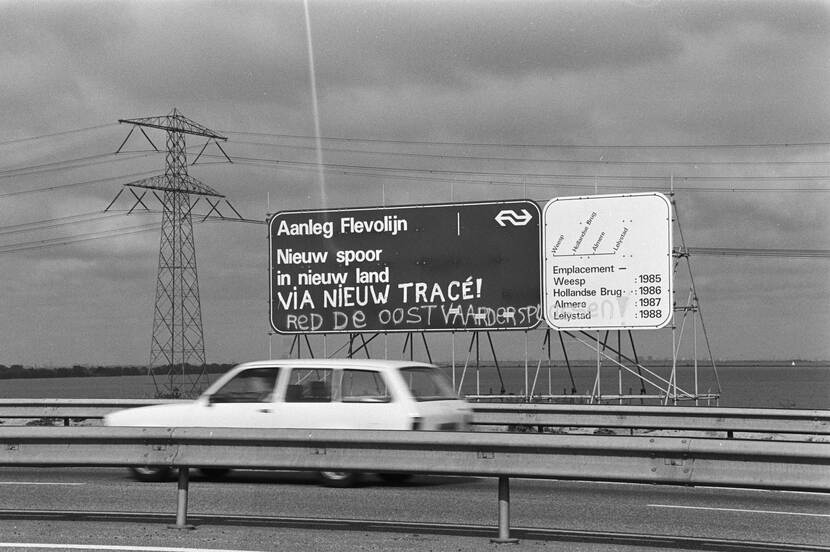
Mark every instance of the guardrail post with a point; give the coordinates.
(181, 507)
(504, 513)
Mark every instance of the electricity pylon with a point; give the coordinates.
(177, 352)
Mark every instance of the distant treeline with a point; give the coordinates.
(17, 371)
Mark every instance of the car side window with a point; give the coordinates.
(427, 383)
(309, 385)
(249, 386)
(365, 386)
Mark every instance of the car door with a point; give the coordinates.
(245, 400)
(307, 402)
(366, 402)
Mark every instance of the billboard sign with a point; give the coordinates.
(608, 262)
(456, 266)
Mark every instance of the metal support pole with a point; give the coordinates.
(694, 329)
(308, 346)
(597, 391)
(673, 359)
(619, 366)
(478, 365)
(567, 360)
(452, 344)
(181, 507)
(426, 347)
(527, 390)
(496, 362)
(504, 513)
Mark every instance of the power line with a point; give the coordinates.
(53, 134)
(746, 252)
(46, 224)
(73, 184)
(549, 145)
(343, 166)
(99, 235)
(95, 216)
(77, 163)
(531, 159)
(89, 236)
(493, 178)
(35, 168)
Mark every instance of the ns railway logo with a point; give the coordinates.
(455, 266)
(509, 216)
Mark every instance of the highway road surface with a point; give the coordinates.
(103, 509)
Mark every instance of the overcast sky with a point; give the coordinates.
(729, 102)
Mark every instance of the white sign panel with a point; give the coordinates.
(608, 262)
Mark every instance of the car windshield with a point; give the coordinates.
(428, 384)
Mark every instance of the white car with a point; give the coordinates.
(315, 394)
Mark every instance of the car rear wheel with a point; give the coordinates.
(151, 473)
(214, 474)
(339, 478)
(395, 478)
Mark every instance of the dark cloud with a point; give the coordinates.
(796, 18)
(526, 72)
(454, 43)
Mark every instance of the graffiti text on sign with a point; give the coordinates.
(457, 315)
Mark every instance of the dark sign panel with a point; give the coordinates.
(460, 266)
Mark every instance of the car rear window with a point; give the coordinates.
(427, 384)
(365, 386)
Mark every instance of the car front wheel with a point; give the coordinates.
(151, 473)
(339, 478)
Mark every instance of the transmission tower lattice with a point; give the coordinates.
(177, 352)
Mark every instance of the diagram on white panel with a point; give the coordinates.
(608, 262)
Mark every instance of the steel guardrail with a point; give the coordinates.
(665, 460)
(673, 460)
(71, 408)
(746, 420)
(662, 460)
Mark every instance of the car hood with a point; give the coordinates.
(160, 415)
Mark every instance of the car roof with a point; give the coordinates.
(375, 364)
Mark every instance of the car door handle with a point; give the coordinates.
(265, 410)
